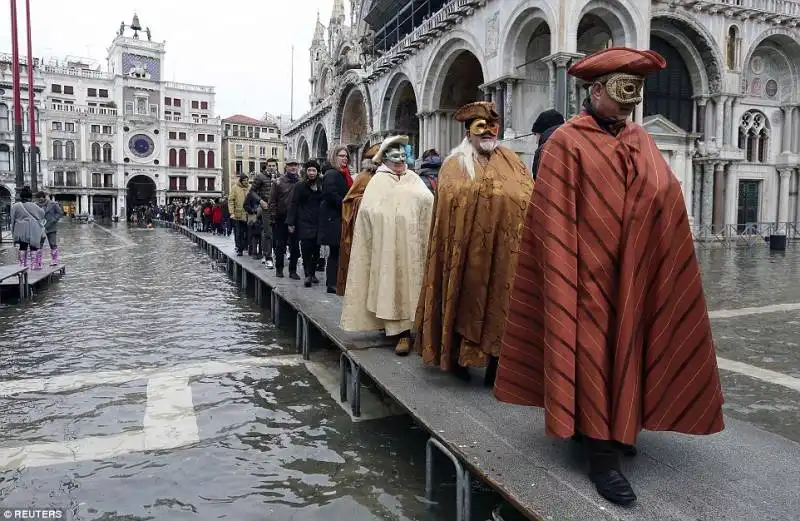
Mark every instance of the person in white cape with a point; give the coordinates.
(390, 245)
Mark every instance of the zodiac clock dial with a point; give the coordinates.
(141, 145)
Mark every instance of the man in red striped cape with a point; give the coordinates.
(608, 328)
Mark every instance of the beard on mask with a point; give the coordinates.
(487, 147)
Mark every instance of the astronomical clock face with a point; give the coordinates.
(141, 145)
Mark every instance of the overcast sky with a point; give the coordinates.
(241, 47)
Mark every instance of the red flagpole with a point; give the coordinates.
(18, 149)
(31, 106)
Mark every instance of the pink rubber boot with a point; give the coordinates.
(37, 265)
(54, 257)
(22, 257)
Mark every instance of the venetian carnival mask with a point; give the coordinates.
(396, 155)
(625, 89)
(482, 127)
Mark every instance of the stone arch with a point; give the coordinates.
(319, 142)
(446, 51)
(351, 81)
(353, 128)
(620, 17)
(303, 151)
(142, 190)
(399, 109)
(782, 46)
(526, 20)
(696, 45)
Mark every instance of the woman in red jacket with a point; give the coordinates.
(216, 219)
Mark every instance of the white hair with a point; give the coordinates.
(465, 153)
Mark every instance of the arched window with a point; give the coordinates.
(96, 152)
(173, 157)
(754, 134)
(732, 47)
(107, 153)
(36, 113)
(201, 159)
(58, 150)
(69, 151)
(210, 159)
(4, 121)
(5, 158)
(182, 157)
(38, 160)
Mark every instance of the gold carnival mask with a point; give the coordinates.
(396, 155)
(482, 127)
(625, 89)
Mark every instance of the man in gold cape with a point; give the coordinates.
(390, 242)
(481, 200)
(350, 205)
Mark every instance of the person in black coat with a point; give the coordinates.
(335, 184)
(544, 126)
(303, 218)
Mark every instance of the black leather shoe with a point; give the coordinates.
(331, 290)
(307, 283)
(314, 279)
(614, 486)
(294, 276)
(279, 273)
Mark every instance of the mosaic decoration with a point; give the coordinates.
(142, 67)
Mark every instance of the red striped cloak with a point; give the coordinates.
(608, 328)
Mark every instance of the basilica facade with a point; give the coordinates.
(725, 113)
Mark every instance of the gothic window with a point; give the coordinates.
(754, 134)
(5, 158)
(96, 152)
(69, 150)
(201, 159)
(173, 157)
(107, 152)
(58, 150)
(731, 48)
(4, 113)
(182, 157)
(210, 159)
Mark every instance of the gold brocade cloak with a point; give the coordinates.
(350, 205)
(471, 259)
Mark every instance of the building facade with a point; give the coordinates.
(122, 137)
(247, 143)
(725, 113)
(7, 151)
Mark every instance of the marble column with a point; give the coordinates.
(84, 203)
(437, 130)
(726, 120)
(783, 199)
(796, 131)
(423, 143)
(562, 95)
(551, 68)
(508, 111)
(730, 197)
(697, 190)
(707, 200)
(719, 197)
(720, 120)
(786, 134)
(701, 117)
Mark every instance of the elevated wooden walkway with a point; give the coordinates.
(741, 474)
(32, 279)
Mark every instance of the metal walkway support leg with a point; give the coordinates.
(306, 341)
(298, 333)
(276, 309)
(463, 481)
(350, 378)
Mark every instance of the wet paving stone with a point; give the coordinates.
(770, 341)
(771, 407)
(52, 418)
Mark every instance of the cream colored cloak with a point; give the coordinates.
(387, 258)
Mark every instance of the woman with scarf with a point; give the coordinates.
(303, 218)
(335, 185)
